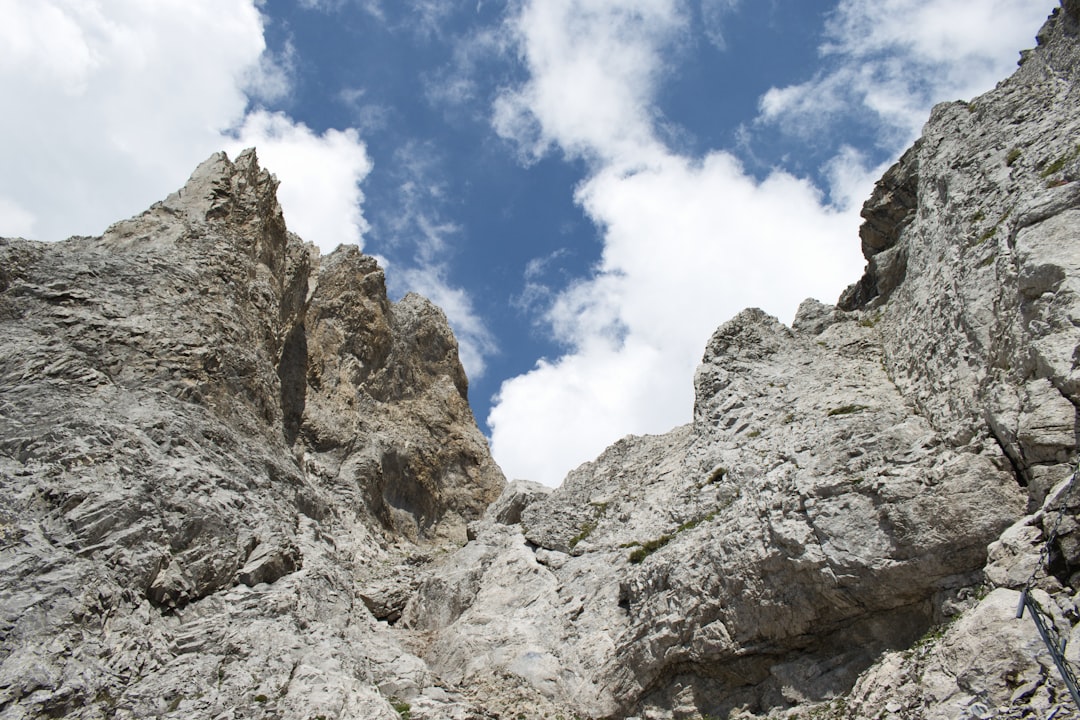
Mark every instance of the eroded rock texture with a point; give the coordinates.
(817, 539)
(234, 477)
(208, 436)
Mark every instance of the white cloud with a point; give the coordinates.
(575, 403)
(688, 242)
(594, 66)
(111, 105)
(537, 293)
(896, 58)
(714, 13)
(459, 84)
(990, 32)
(850, 179)
(422, 244)
(270, 79)
(687, 245)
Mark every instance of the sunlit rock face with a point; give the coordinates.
(833, 500)
(237, 481)
(208, 436)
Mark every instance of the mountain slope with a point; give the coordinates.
(833, 499)
(208, 436)
(236, 481)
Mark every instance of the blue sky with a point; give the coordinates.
(587, 187)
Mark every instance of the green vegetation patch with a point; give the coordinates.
(1061, 162)
(846, 410)
(401, 707)
(932, 635)
(1012, 157)
(987, 235)
(870, 321)
(645, 549)
(586, 530)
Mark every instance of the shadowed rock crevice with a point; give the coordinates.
(408, 504)
(292, 374)
(887, 214)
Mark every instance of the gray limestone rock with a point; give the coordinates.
(807, 521)
(979, 325)
(833, 500)
(209, 437)
(234, 477)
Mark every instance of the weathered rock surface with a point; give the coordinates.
(208, 437)
(234, 478)
(835, 496)
(765, 555)
(979, 333)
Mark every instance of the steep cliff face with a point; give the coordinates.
(973, 263)
(835, 496)
(208, 436)
(808, 520)
(234, 477)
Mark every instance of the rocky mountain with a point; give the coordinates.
(236, 481)
(816, 541)
(210, 437)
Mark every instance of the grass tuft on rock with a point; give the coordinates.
(845, 410)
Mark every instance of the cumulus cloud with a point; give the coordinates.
(270, 79)
(111, 105)
(892, 59)
(690, 241)
(594, 66)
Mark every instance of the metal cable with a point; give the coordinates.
(1044, 622)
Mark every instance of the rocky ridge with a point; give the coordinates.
(238, 482)
(816, 540)
(209, 437)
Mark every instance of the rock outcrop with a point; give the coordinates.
(818, 537)
(808, 520)
(209, 436)
(236, 481)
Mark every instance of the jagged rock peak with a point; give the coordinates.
(848, 485)
(209, 438)
(229, 471)
(238, 195)
(218, 188)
